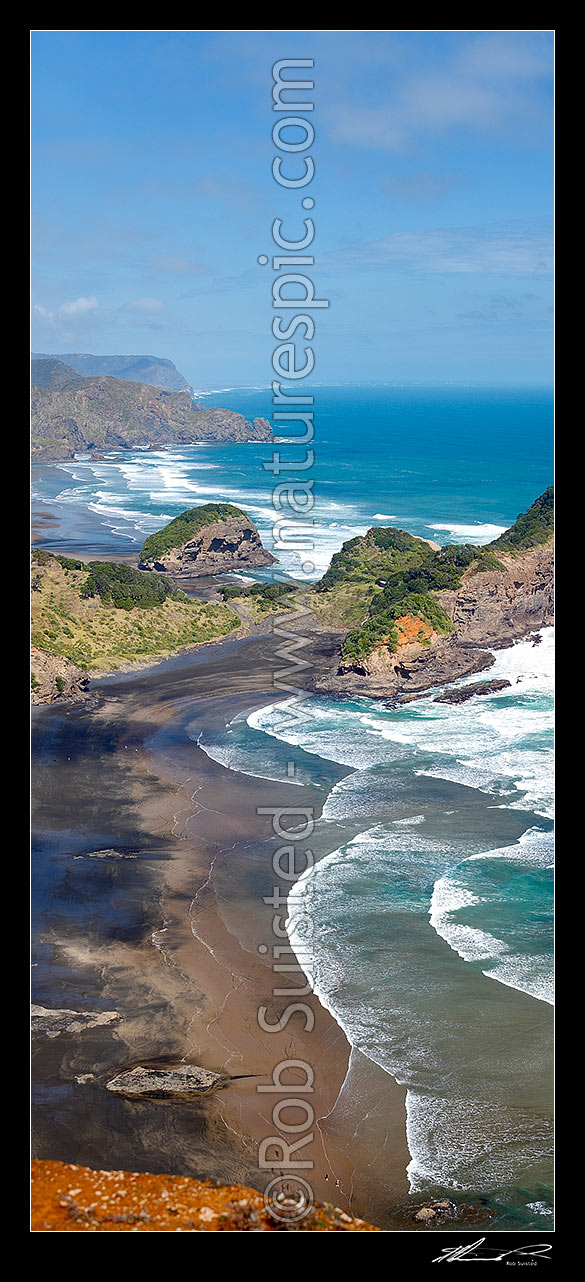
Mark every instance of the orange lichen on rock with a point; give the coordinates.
(75, 1199)
(410, 628)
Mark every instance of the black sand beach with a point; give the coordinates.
(168, 936)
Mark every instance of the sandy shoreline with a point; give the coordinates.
(127, 769)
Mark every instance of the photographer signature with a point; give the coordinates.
(477, 1251)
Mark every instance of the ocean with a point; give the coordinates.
(427, 928)
(450, 465)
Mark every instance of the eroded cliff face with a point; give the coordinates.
(54, 677)
(488, 609)
(232, 544)
(495, 606)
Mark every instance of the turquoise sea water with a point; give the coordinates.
(451, 465)
(430, 922)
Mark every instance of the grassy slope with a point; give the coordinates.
(99, 637)
(344, 593)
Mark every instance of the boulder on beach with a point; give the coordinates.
(173, 1081)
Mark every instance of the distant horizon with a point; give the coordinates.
(207, 389)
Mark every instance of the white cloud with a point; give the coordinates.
(515, 248)
(74, 307)
(492, 84)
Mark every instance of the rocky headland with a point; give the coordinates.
(71, 414)
(422, 619)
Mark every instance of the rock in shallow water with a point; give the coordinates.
(53, 1022)
(174, 1081)
(467, 692)
(435, 1213)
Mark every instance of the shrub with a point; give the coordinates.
(126, 588)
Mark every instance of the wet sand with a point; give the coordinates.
(169, 937)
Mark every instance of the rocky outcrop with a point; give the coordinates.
(407, 672)
(435, 1213)
(71, 414)
(228, 541)
(52, 1022)
(463, 693)
(54, 677)
(173, 1081)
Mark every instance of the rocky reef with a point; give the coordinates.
(206, 540)
(463, 693)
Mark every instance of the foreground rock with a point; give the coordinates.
(74, 1199)
(52, 1023)
(206, 540)
(467, 692)
(401, 676)
(174, 1081)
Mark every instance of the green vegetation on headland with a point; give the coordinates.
(530, 528)
(126, 588)
(388, 575)
(185, 526)
(381, 625)
(102, 615)
(265, 596)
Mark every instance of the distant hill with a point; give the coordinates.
(72, 415)
(155, 371)
(51, 372)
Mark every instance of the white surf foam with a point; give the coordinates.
(476, 533)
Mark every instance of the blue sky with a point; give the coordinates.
(153, 197)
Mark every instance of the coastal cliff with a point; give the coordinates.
(422, 617)
(206, 540)
(71, 414)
